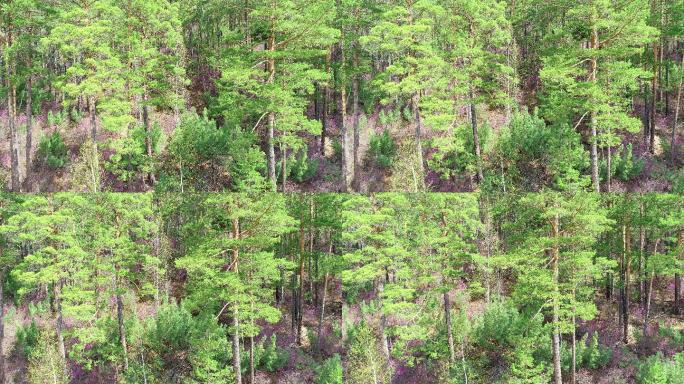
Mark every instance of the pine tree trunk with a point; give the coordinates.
(673, 149)
(148, 135)
(573, 373)
(419, 137)
(59, 326)
(654, 94)
(29, 127)
(2, 327)
(449, 327)
(347, 142)
(236, 325)
(357, 114)
(251, 360)
(321, 315)
(324, 120)
(300, 307)
(93, 119)
(283, 173)
(476, 138)
(271, 116)
(383, 324)
(593, 68)
(647, 311)
(122, 329)
(626, 283)
(678, 279)
(557, 374)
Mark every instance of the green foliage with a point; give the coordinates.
(589, 354)
(196, 346)
(303, 169)
(330, 371)
(658, 370)
(203, 157)
(273, 358)
(27, 339)
(382, 149)
(52, 151)
(45, 363)
(627, 168)
(537, 155)
(503, 332)
(365, 358)
(389, 117)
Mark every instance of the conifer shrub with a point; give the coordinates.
(52, 151)
(330, 371)
(27, 339)
(383, 149)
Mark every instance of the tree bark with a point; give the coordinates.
(449, 327)
(647, 311)
(148, 135)
(321, 314)
(93, 119)
(624, 291)
(122, 328)
(673, 150)
(29, 126)
(419, 136)
(678, 279)
(2, 327)
(555, 254)
(593, 68)
(300, 307)
(270, 67)
(236, 325)
(357, 112)
(476, 137)
(654, 94)
(59, 325)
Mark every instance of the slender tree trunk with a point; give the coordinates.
(593, 68)
(678, 279)
(283, 168)
(300, 307)
(59, 326)
(419, 136)
(321, 315)
(654, 94)
(347, 142)
(2, 327)
(29, 127)
(326, 94)
(624, 291)
(555, 254)
(122, 329)
(383, 324)
(357, 113)
(236, 325)
(476, 137)
(251, 360)
(449, 327)
(673, 150)
(148, 135)
(270, 67)
(573, 373)
(93, 119)
(647, 312)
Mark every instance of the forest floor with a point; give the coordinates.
(299, 369)
(656, 176)
(623, 366)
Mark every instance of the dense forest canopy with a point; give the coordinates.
(342, 95)
(325, 288)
